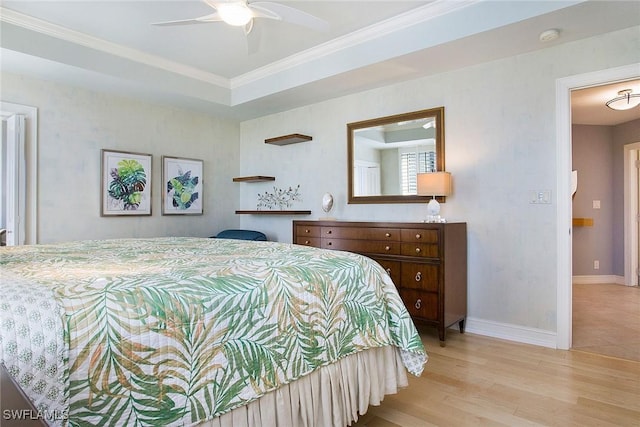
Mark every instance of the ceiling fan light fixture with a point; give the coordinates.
(625, 100)
(236, 13)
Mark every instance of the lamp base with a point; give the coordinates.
(433, 209)
(434, 219)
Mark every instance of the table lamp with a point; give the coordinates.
(434, 184)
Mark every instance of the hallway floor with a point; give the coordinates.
(606, 320)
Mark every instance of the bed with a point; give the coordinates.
(194, 331)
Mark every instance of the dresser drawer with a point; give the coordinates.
(423, 250)
(419, 235)
(392, 268)
(422, 305)
(307, 230)
(419, 276)
(362, 246)
(308, 241)
(361, 233)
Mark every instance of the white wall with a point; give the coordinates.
(500, 145)
(75, 124)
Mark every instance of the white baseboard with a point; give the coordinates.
(597, 279)
(510, 332)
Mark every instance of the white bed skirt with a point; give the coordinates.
(333, 396)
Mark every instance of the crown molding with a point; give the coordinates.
(380, 29)
(53, 30)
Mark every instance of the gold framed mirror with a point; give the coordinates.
(386, 154)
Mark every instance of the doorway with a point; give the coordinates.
(28, 174)
(564, 86)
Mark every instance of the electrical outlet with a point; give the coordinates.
(596, 265)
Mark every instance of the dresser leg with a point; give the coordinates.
(441, 335)
(461, 325)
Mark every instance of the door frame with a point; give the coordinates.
(564, 86)
(31, 156)
(631, 214)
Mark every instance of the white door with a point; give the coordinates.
(15, 182)
(366, 176)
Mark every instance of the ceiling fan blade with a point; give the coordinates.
(253, 37)
(288, 14)
(214, 17)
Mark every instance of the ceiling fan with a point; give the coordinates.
(241, 13)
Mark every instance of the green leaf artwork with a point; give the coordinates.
(184, 190)
(128, 181)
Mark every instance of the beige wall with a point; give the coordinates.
(598, 155)
(594, 160)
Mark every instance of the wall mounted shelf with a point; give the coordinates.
(294, 138)
(582, 222)
(256, 178)
(273, 212)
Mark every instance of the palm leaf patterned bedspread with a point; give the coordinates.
(173, 331)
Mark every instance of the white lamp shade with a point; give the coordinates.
(434, 184)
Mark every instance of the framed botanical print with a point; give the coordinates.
(126, 183)
(181, 186)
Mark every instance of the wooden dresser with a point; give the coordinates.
(427, 262)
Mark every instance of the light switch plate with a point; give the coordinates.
(540, 197)
(596, 204)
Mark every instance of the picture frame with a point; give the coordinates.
(182, 180)
(126, 183)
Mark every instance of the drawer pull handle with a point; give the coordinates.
(417, 250)
(387, 248)
(418, 236)
(418, 304)
(328, 231)
(418, 276)
(387, 234)
(389, 271)
(306, 242)
(307, 230)
(330, 243)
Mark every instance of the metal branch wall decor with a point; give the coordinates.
(280, 198)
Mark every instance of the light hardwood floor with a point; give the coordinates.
(481, 381)
(606, 320)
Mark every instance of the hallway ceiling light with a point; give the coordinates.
(625, 100)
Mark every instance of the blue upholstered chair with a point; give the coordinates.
(241, 235)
